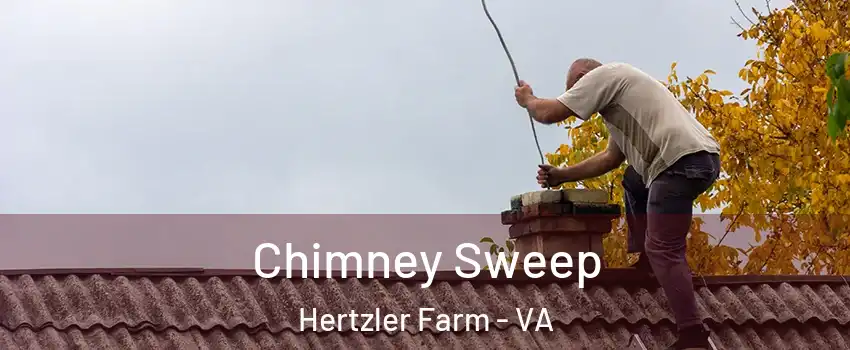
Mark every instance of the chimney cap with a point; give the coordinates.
(554, 203)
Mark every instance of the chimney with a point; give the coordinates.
(551, 221)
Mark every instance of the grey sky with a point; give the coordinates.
(304, 106)
(308, 106)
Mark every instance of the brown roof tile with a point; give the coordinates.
(137, 310)
(594, 335)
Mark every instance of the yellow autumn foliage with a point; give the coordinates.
(782, 176)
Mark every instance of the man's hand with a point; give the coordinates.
(543, 110)
(550, 176)
(523, 94)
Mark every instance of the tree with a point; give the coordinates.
(783, 175)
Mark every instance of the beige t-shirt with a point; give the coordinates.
(644, 119)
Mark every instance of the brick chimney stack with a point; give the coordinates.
(552, 221)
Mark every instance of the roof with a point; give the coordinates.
(229, 309)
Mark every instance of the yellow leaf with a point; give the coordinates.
(716, 99)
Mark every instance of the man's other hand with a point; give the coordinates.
(523, 93)
(550, 176)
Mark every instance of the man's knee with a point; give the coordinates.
(665, 251)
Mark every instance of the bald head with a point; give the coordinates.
(579, 68)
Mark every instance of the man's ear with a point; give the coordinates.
(578, 77)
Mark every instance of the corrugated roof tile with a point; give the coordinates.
(205, 303)
(594, 335)
(106, 311)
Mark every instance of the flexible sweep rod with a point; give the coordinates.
(516, 76)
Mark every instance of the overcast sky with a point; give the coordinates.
(212, 106)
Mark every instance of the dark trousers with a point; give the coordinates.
(659, 219)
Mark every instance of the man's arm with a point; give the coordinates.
(597, 165)
(590, 94)
(548, 111)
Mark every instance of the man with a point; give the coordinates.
(672, 160)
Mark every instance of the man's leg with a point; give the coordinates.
(635, 197)
(670, 210)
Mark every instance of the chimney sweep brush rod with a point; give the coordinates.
(516, 77)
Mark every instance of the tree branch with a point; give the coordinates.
(738, 4)
(769, 254)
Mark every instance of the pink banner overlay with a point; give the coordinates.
(230, 241)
